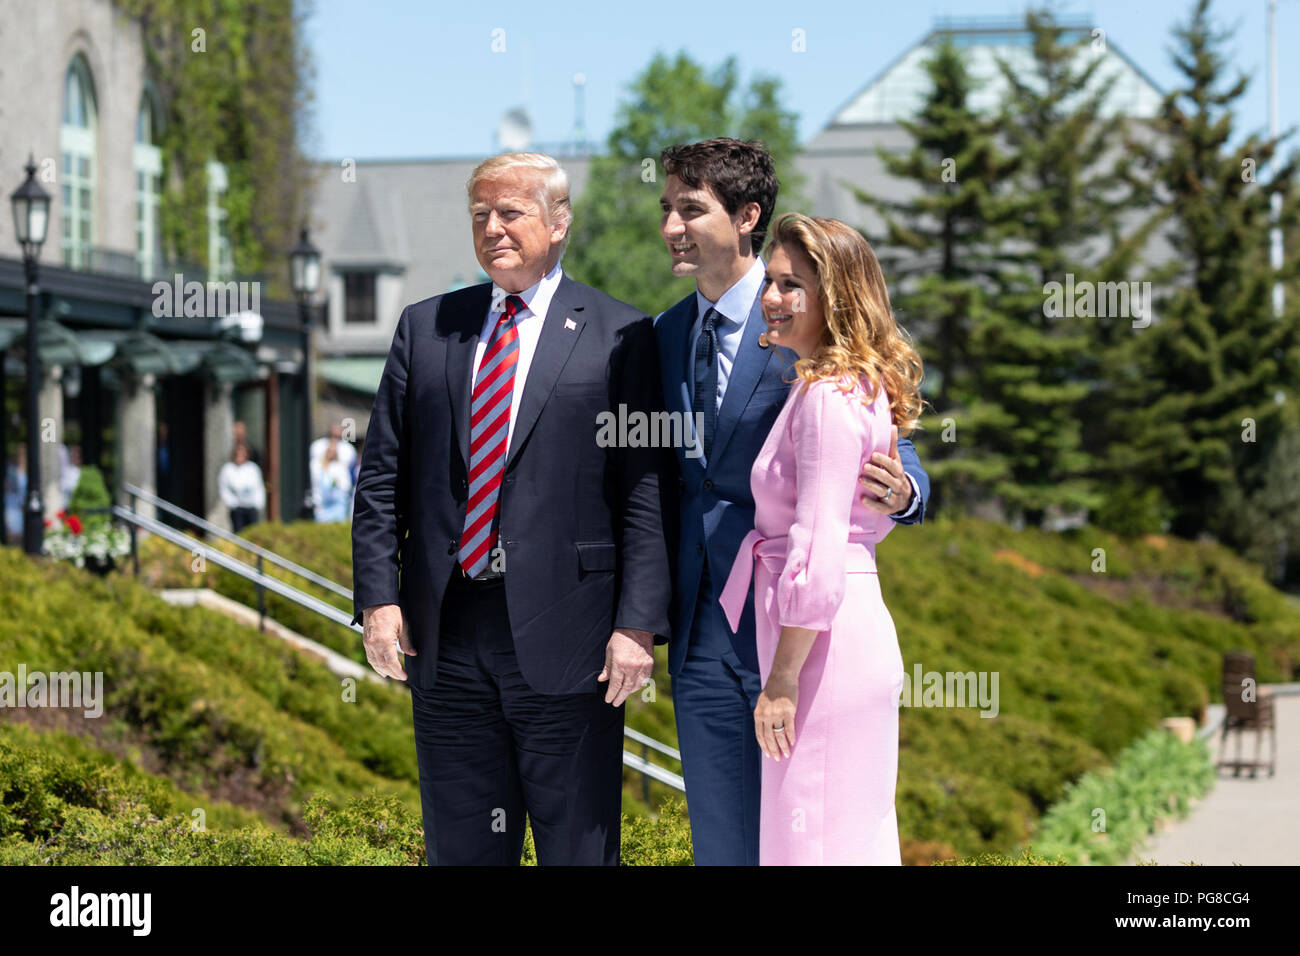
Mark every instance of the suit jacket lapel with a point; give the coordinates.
(751, 360)
(463, 329)
(674, 337)
(553, 349)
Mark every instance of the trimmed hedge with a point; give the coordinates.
(1088, 660)
(219, 705)
(62, 802)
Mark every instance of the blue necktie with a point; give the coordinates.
(706, 378)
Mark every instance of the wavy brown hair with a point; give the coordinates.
(861, 336)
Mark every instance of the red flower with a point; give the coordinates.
(48, 522)
(74, 523)
(60, 514)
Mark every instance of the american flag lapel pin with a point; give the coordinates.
(570, 324)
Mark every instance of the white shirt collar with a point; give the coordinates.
(735, 303)
(537, 296)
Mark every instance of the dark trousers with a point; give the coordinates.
(241, 518)
(714, 696)
(491, 749)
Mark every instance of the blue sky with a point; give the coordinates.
(419, 78)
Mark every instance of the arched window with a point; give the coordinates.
(148, 188)
(77, 144)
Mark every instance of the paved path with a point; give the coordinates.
(1240, 820)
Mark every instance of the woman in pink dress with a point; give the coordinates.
(827, 719)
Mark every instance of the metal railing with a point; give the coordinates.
(134, 492)
(265, 582)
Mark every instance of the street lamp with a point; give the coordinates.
(304, 276)
(31, 205)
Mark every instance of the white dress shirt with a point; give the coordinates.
(729, 324)
(528, 324)
(733, 312)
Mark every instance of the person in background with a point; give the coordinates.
(15, 492)
(69, 471)
(347, 453)
(240, 431)
(242, 489)
(331, 483)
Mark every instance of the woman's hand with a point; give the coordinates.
(774, 715)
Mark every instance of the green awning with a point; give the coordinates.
(146, 354)
(360, 374)
(59, 345)
(137, 350)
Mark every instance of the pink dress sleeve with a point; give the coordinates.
(830, 429)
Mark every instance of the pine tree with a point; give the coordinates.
(1039, 364)
(1211, 385)
(940, 247)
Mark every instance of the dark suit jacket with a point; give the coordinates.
(581, 525)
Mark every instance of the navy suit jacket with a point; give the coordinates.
(580, 525)
(715, 504)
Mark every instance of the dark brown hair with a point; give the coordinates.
(739, 172)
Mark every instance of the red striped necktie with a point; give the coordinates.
(489, 433)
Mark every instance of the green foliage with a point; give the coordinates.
(90, 494)
(1207, 392)
(1025, 858)
(1088, 660)
(940, 247)
(237, 93)
(1263, 518)
(615, 244)
(43, 776)
(1105, 815)
(220, 706)
(63, 802)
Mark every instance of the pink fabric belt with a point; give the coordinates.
(772, 552)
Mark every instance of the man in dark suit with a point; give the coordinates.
(718, 198)
(519, 564)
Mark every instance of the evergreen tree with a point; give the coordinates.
(1039, 357)
(1211, 385)
(941, 248)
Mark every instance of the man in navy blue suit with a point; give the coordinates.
(514, 573)
(718, 199)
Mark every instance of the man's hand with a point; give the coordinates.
(386, 632)
(629, 661)
(883, 473)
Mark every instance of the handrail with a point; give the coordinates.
(641, 763)
(652, 743)
(235, 566)
(223, 534)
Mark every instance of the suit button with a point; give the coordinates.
(699, 547)
(451, 546)
(464, 485)
(708, 484)
(681, 482)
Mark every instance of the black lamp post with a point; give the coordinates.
(304, 275)
(31, 206)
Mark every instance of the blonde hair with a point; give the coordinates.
(861, 336)
(552, 189)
